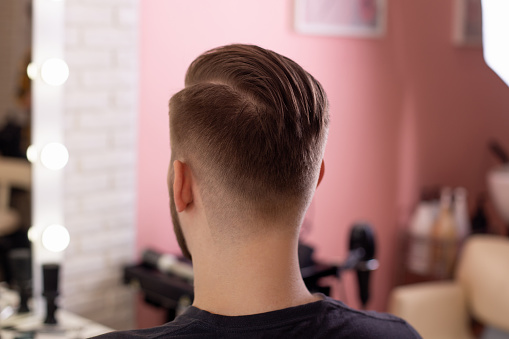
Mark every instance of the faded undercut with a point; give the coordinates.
(252, 124)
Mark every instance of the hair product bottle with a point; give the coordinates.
(444, 239)
(461, 215)
(421, 224)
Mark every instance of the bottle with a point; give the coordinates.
(444, 239)
(461, 215)
(421, 223)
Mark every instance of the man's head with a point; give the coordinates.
(251, 125)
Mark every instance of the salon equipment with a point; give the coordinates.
(362, 257)
(21, 268)
(159, 289)
(70, 325)
(167, 263)
(50, 290)
(443, 309)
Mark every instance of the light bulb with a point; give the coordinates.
(55, 238)
(54, 156)
(32, 71)
(54, 71)
(32, 234)
(32, 153)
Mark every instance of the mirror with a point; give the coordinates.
(15, 129)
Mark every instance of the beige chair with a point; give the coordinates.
(14, 173)
(481, 290)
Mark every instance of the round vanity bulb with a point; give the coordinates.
(32, 153)
(55, 238)
(54, 156)
(32, 234)
(54, 71)
(32, 71)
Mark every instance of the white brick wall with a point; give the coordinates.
(100, 133)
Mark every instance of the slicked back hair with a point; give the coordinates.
(253, 125)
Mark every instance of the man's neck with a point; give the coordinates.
(258, 277)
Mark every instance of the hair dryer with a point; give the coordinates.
(362, 257)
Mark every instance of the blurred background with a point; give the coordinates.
(413, 106)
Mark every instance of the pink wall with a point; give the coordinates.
(408, 109)
(454, 104)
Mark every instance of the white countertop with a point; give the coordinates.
(69, 324)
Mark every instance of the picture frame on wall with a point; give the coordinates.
(350, 18)
(467, 23)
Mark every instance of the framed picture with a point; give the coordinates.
(467, 23)
(355, 18)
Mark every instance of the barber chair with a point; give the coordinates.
(480, 291)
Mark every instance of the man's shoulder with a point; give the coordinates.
(368, 324)
(173, 329)
(327, 318)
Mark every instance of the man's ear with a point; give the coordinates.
(182, 185)
(322, 172)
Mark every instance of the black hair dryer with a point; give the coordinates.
(362, 257)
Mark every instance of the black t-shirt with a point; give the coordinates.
(327, 318)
